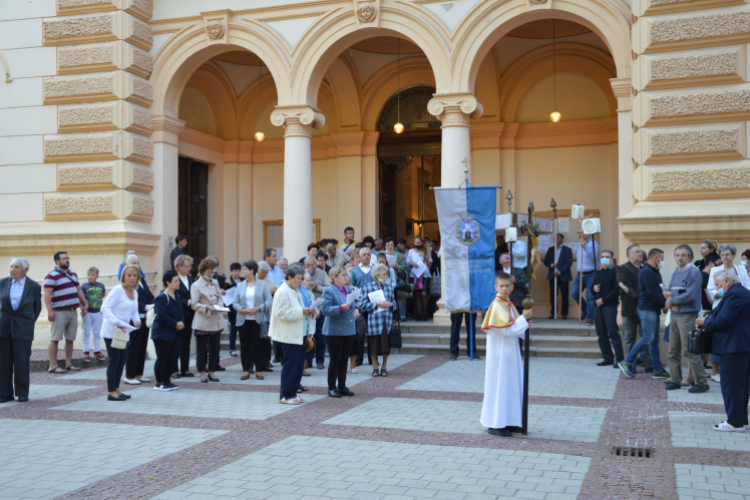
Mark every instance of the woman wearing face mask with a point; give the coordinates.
(380, 317)
(208, 323)
(414, 259)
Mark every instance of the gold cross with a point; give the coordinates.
(466, 164)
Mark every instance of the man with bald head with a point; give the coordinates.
(20, 306)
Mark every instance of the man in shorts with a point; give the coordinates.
(62, 296)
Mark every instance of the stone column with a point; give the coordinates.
(298, 122)
(454, 111)
(623, 92)
(165, 165)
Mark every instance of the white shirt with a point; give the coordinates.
(250, 299)
(507, 270)
(118, 310)
(364, 269)
(16, 292)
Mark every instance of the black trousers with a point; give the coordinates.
(266, 347)
(232, 316)
(605, 319)
(250, 353)
(338, 350)
(278, 351)
(137, 351)
(167, 352)
(187, 337)
(208, 350)
(291, 369)
(115, 365)
(456, 319)
(15, 356)
(735, 386)
(360, 326)
(562, 287)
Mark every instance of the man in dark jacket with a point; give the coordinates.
(561, 271)
(519, 281)
(606, 294)
(20, 306)
(627, 279)
(651, 302)
(180, 242)
(730, 324)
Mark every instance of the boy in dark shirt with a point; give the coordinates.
(92, 321)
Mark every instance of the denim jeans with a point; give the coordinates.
(587, 304)
(650, 338)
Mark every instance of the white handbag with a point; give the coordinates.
(119, 339)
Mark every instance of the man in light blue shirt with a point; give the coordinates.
(276, 274)
(589, 259)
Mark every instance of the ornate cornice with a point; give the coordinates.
(166, 129)
(623, 90)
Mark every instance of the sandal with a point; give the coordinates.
(73, 368)
(375, 373)
(55, 372)
(383, 373)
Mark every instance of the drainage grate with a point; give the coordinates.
(624, 451)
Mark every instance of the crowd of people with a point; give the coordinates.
(695, 297)
(346, 297)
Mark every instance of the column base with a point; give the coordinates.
(441, 317)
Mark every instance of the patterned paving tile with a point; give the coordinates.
(545, 421)
(324, 468)
(696, 482)
(37, 392)
(101, 373)
(695, 430)
(712, 397)
(28, 470)
(184, 402)
(553, 377)
(317, 378)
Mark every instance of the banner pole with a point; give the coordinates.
(471, 337)
(554, 274)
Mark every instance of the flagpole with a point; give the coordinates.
(470, 329)
(528, 303)
(554, 246)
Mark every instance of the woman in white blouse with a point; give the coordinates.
(417, 257)
(120, 310)
(252, 301)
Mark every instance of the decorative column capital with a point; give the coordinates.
(298, 120)
(166, 129)
(455, 109)
(623, 89)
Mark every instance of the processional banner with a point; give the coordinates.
(467, 232)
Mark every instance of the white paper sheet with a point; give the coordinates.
(354, 296)
(318, 302)
(375, 297)
(221, 309)
(128, 328)
(421, 270)
(229, 296)
(391, 259)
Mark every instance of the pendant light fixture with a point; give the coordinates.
(259, 135)
(398, 127)
(555, 116)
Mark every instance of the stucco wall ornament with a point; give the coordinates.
(538, 2)
(366, 12)
(215, 29)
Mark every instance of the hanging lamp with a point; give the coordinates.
(259, 135)
(555, 116)
(398, 127)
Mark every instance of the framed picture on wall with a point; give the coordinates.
(273, 235)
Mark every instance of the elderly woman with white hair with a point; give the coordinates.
(136, 355)
(20, 306)
(730, 324)
(377, 300)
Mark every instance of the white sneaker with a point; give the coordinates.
(157, 387)
(716, 378)
(144, 380)
(354, 370)
(131, 382)
(289, 402)
(726, 427)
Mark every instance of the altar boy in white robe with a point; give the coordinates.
(503, 373)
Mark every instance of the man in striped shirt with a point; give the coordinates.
(62, 296)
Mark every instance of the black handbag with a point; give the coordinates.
(700, 341)
(394, 336)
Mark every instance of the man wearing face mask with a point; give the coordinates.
(651, 302)
(606, 293)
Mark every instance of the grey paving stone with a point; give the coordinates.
(695, 430)
(317, 378)
(148, 370)
(245, 405)
(155, 442)
(327, 455)
(691, 482)
(553, 377)
(37, 392)
(566, 423)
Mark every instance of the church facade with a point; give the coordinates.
(126, 122)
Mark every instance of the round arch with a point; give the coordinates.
(333, 33)
(573, 58)
(383, 85)
(188, 50)
(491, 20)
